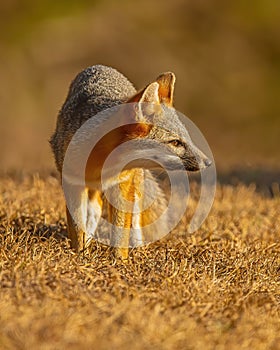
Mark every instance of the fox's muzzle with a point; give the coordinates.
(196, 161)
(193, 164)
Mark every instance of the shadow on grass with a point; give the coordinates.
(23, 224)
(266, 181)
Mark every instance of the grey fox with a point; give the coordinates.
(96, 89)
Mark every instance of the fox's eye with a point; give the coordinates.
(176, 143)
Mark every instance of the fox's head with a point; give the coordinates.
(158, 121)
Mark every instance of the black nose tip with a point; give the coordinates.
(207, 162)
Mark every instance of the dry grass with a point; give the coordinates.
(217, 289)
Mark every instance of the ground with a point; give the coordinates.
(218, 288)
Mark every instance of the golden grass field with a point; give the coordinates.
(216, 289)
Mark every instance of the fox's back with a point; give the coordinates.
(93, 90)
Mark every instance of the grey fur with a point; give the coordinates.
(94, 89)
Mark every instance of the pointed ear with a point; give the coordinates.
(150, 94)
(166, 83)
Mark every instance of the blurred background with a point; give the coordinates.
(225, 54)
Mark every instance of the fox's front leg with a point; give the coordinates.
(76, 211)
(126, 223)
(75, 234)
(94, 212)
(120, 233)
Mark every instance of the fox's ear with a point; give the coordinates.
(150, 94)
(160, 91)
(166, 83)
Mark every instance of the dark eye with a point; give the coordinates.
(176, 143)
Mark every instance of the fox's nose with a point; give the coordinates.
(207, 162)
